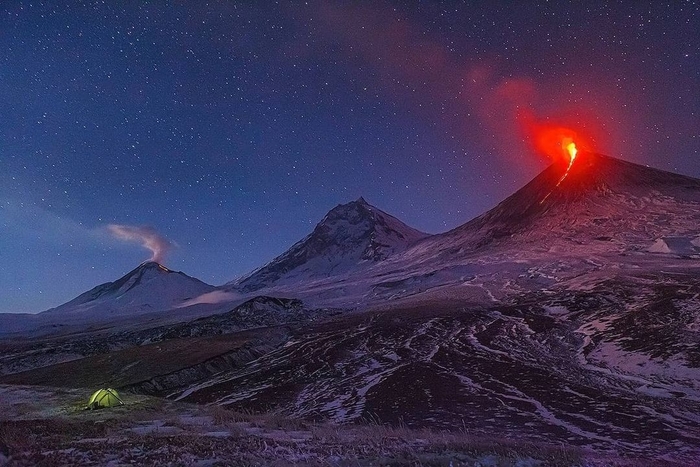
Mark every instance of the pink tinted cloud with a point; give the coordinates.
(471, 95)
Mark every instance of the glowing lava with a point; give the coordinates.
(555, 142)
(567, 146)
(560, 144)
(570, 148)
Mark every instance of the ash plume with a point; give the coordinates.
(146, 236)
(475, 98)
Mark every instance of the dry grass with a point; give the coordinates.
(63, 442)
(280, 421)
(270, 420)
(226, 417)
(150, 431)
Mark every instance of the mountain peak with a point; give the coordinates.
(349, 236)
(149, 286)
(600, 196)
(592, 172)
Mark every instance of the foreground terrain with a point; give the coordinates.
(591, 370)
(48, 426)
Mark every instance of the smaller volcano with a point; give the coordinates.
(149, 287)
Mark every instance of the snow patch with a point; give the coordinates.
(217, 296)
(676, 245)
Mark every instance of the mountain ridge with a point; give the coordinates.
(598, 198)
(349, 236)
(603, 206)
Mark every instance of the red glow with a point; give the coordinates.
(555, 141)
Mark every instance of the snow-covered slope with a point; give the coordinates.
(149, 287)
(605, 214)
(603, 205)
(570, 311)
(351, 236)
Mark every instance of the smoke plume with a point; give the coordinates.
(146, 236)
(474, 98)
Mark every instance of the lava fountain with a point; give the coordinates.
(570, 147)
(558, 143)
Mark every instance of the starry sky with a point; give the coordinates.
(224, 131)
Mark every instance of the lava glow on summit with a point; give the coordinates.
(558, 143)
(553, 141)
(570, 147)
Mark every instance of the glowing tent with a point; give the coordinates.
(104, 398)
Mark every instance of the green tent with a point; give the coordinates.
(104, 398)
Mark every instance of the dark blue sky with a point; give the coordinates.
(232, 128)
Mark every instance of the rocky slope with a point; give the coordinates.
(350, 237)
(603, 202)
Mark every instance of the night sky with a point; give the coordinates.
(228, 130)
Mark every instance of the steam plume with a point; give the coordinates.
(474, 97)
(146, 236)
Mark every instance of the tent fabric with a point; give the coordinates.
(104, 398)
